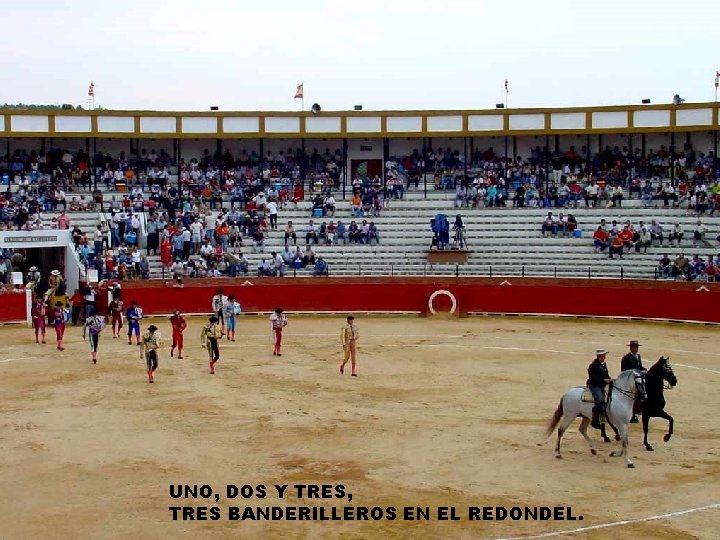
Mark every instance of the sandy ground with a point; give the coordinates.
(444, 413)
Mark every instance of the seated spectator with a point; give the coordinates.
(308, 258)
(616, 246)
(656, 232)
(600, 239)
(667, 193)
(643, 239)
(290, 233)
(626, 236)
(311, 233)
(697, 268)
(330, 205)
(354, 233)
(646, 195)
(258, 240)
(341, 233)
(356, 205)
(298, 194)
(287, 255)
(318, 206)
(665, 265)
(617, 196)
(322, 233)
(263, 269)
(711, 270)
(331, 229)
(373, 234)
(321, 267)
(549, 226)
(681, 267)
(676, 235)
(571, 224)
(699, 231)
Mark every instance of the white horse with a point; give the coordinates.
(629, 386)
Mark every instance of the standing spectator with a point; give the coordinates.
(272, 208)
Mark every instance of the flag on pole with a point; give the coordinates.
(299, 91)
(507, 89)
(717, 79)
(91, 90)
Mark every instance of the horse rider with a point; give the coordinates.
(598, 377)
(632, 360)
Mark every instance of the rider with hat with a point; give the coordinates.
(632, 360)
(598, 377)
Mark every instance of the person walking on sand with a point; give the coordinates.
(218, 301)
(149, 351)
(209, 337)
(178, 323)
(349, 336)
(95, 324)
(133, 316)
(115, 313)
(279, 321)
(231, 309)
(58, 318)
(39, 314)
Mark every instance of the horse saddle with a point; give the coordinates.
(587, 396)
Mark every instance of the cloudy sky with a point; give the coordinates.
(382, 54)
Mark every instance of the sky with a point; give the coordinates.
(381, 54)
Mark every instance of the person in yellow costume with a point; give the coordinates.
(349, 336)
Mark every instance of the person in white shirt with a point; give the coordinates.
(135, 258)
(330, 205)
(210, 225)
(260, 201)
(196, 234)
(272, 208)
(218, 302)
(699, 233)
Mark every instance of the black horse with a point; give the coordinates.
(654, 405)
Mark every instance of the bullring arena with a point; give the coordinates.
(445, 411)
(466, 345)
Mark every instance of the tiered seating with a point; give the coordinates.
(502, 240)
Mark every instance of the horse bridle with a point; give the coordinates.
(639, 386)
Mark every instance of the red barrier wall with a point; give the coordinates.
(12, 307)
(643, 299)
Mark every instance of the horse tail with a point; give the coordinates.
(555, 420)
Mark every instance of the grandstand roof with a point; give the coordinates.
(358, 124)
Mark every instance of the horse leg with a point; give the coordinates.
(623, 432)
(583, 431)
(603, 433)
(564, 423)
(669, 418)
(645, 422)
